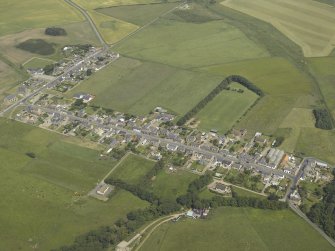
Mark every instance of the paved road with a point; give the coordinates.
(48, 85)
(90, 21)
(302, 215)
(163, 140)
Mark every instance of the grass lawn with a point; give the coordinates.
(171, 185)
(37, 209)
(190, 44)
(17, 15)
(244, 193)
(238, 229)
(138, 14)
(132, 169)
(225, 109)
(137, 87)
(111, 29)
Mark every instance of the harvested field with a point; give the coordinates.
(308, 23)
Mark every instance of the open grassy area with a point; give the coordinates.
(44, 203)
(88, 4)
(37, 63)
(323, 68)
(171, 185)
(8, 77)
(132, 169)
(307, 23)
(17, 15)
(137, 87)
(228, 107)
(187, 44)
(111, 29)
(138, 14)
(37, 46)
(238, 229)
(284, 85)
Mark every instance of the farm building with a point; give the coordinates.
(103, 189)
(275, 156)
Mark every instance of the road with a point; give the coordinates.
(302, 215)
(163, 140)
(90, 21)
(50, 84)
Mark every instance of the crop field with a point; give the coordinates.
(20, 15)
(112, 29)
(180, 44)
(323, 68)
(137, 87)
(284, 86)
(132, 169)
(89, 4)
(37, 208)
(79, 32)
(238, 229)
(171, 185)
(308, 23)
(228, 107)
(138, 14)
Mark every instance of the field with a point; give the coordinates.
(171, 185)
(44, 203)
(238, 229)
(17, 15)
(132, 169)
(112, 29)
(88, 4)
(79, 32)
(8, 77)
(138, 14)
(308, 23)
(180, 44)
(323, 69)
(284, 85)
(137, 87)
(37, 63)
(227, 108)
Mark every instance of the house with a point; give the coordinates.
(295, 197)
(10, 99)
(172, 147)
(103, 189)
(222, 188)
(84, 96)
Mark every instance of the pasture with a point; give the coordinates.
(88, 4)
(238, 229)
(111, 29)
(44, 203)
(17, 15)
(137, 87)
(138, 14)
(308, 23)
(187, 45)
(37, 63)
(226, 108)
(171, 185)
(132, 169)
(8, 77)
(323, 68)
(78, 33)
(285, 88)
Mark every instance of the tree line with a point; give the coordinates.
(222, 86)
(323, 119)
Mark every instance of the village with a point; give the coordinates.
(235, 159)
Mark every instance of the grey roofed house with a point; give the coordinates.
(84, 96)
(172, 147)
(10, 98)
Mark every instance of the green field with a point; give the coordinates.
(284, 86)
(44, 203)
(17, 15)
(37, 63)
(171, 185)
(227, 108)
(8, 77)
(111, 29)
(89, 4)
(323, 68)
(238, 229)
(137, 87)
(132, 169)
(138, 14)
(188, 44)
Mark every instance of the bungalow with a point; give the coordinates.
(10, 99)
(222, 188)
(172, 147)
(103, 189)
(84, 96)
